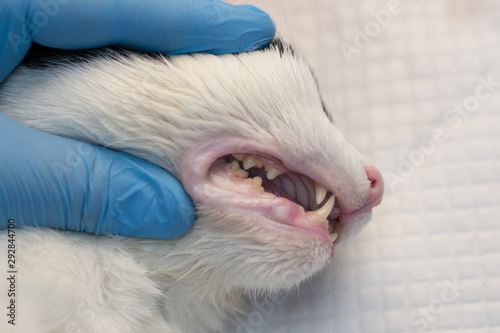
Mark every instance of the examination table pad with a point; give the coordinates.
(419, 96)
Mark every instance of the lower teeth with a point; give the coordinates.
(257, 180)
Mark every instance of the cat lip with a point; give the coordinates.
(208, 178)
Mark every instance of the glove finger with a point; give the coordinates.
(15, 39)
(143, 199)
(154, 25)
(50, 181)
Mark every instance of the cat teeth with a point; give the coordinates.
(238, 171)
(334, 236)
(320, 193)
(257, 180)
(272, 171)
(248, 162)
(239, 157)
(251, 162)
(235, 166)
(325, 210)
(242, 173)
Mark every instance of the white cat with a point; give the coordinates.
(272, 179)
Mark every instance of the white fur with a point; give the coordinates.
(166, 111)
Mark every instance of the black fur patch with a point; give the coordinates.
(281, 46)
(42, 57)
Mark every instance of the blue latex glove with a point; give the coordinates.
(50, 181)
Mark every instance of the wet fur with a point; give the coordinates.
(161, 109)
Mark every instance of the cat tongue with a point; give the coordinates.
(293, 187)
(270, 187)
(300, 188)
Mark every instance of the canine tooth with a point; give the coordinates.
(326, 209)
(249, 162)
(272, 172)
(239, 157)
(257, 180)
(320, 193)
(334, 236)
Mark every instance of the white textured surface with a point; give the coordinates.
(440, 225)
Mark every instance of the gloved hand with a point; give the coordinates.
(50, 181)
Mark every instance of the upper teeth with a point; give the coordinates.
(250, 162)
(325, 210)
(320, 193)
(272, 171)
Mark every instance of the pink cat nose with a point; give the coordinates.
(376, 189)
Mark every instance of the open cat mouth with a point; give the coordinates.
(270, 176)
(250, 182)
(286, 196)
